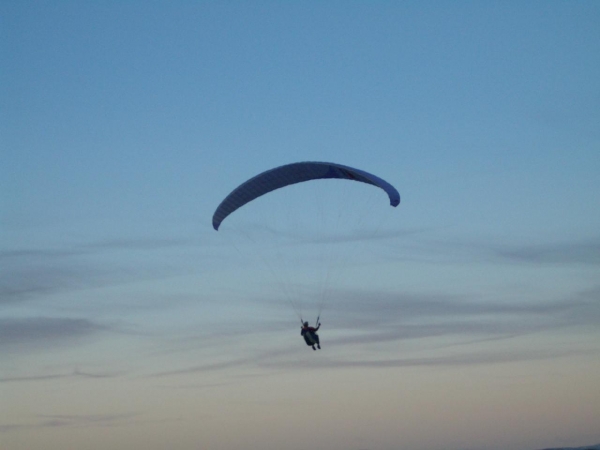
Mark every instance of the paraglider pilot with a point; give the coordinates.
(310, 335)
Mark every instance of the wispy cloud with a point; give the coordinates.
(92, 248)
(370, 318)
(74, 374)
(30, 273)
(586, 252)
(236, 362)
(34, 378)
(24, 283)
(43, 331)
(256, 234)
(466, 359)
(428, 248)
(287, 359)
(377, 308)
(355, 236)
(59, 421)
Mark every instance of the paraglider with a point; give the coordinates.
(282, 177)
(310, 335)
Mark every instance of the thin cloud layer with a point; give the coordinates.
(91, 248)
(587, 252)
(60, 421)
(370, 318)
(452, 250)
(74, 374)
(287, 359)
(468, 359)
(30, 273)
(363, 309)
(256, 232)
(44, 331)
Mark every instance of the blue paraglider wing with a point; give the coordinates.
(291, 174)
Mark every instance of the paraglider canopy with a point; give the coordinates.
(296, 173)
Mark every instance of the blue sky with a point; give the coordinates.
(127, 322)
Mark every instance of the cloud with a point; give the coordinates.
(92, 248)
(34, 378)
(30, 273)
(452, 250)
(44, 331)
(374, 321)
(24, 283)
(379, 308)
(357, 236)
(364, 318)
(466, 359)
(586, 252)
(270, 243)
(287, 359)
(208, 367)
(74, 374)
(89, 419)
(59, 421)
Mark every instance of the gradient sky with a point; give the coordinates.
(470, 320)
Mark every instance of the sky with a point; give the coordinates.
(464, 319)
